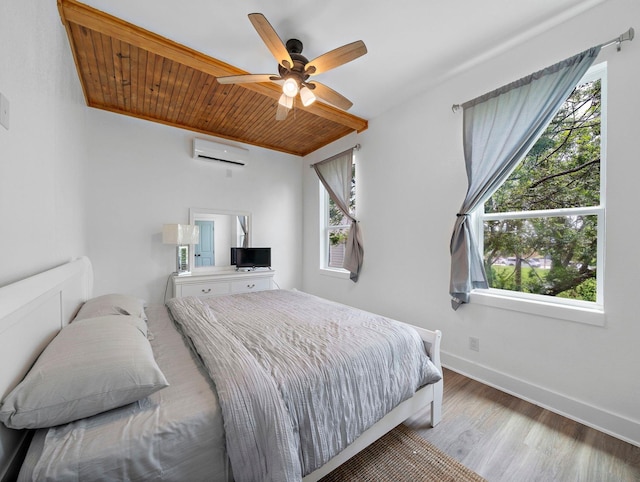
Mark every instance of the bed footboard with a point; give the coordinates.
(427, 395)
(432, 340)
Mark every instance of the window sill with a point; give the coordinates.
(578, 312)
(335, 273)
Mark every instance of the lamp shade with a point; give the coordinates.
(290, 87)
(307, 96)
(179, 234)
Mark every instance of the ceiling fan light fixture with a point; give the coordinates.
(290, 87)
(307, 97)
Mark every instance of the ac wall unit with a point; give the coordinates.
(214, 151)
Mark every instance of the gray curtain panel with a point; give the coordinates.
(243, 224)
(499, 129)
(335, 174)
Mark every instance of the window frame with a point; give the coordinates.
(325, 269)
(588, 312)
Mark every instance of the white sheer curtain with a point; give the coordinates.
(335, 174)
(499, 129)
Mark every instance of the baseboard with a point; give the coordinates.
(610, 423)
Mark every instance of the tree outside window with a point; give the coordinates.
(542, 226)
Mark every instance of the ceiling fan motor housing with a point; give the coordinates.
(294, 47)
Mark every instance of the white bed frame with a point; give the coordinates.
(428, 395)
(34, 310)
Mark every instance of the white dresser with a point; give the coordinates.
(222, 283)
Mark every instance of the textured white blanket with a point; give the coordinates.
(298, 377)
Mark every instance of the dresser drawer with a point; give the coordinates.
(206, 289)
(222, 283)
(250, 284)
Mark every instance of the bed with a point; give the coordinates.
(177, 432)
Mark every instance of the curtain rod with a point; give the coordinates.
(626, 36)
(355, 148)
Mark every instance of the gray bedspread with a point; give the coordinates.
(298, 377)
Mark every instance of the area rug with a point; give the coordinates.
(402, 456)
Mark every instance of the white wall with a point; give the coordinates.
(42, 154)
(411, 182)
(141, 175)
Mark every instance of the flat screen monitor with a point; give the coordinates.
(251, 257)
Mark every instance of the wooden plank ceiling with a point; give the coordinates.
(128, 70)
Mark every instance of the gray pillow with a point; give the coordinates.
(88, 368)
(112, 304)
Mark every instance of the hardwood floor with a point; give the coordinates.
(505, 439)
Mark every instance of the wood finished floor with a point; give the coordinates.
(505, 439)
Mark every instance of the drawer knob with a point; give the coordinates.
(208, 290)
(252, 285)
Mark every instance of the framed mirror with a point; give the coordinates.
(220, 230)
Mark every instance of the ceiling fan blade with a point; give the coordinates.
(281, 113)
(246, 78)
(271, 39)
(336, 58)
(284, 106)
(330, 96)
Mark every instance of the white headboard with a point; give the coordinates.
(32, 312)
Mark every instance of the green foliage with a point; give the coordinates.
(503, 277)
(562, 170)
(338, 237)
(584, 291)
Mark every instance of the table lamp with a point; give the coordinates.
(181, 235)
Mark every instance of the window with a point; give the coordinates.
(334, 228)
(543, 229)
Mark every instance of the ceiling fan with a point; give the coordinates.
(294, 69)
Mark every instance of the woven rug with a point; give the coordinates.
(402, 456)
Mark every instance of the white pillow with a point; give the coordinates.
(89, 367)
(112, 304)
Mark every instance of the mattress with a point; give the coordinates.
(174, 434)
